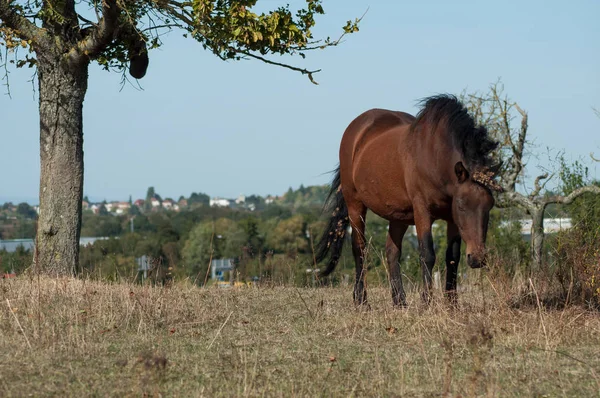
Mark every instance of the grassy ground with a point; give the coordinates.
(81, 338)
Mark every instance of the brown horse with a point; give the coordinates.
(412, 171)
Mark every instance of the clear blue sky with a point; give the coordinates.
(201, 124)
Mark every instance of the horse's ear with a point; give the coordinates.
(461, 172)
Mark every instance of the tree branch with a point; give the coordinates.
(267, 61)
(156, 27)
(516, 160)
(508, 199)
(99, 36)
(25, 28)
(565, 200)
(537, 187)
(183, 15)
(87, 21)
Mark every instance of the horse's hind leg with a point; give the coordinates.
(393, 251)
(357, 213)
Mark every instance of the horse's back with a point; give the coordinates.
(369, 125)
(372, 165)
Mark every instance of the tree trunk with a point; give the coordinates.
(537, 237)
(62, 90)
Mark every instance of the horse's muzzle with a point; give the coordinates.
(474, 262)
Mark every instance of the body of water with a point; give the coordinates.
(11, 245)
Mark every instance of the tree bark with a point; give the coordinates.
(537, 238)
(62, 88)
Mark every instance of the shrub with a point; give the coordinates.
(578, 264)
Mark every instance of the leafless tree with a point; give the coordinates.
(495, 110)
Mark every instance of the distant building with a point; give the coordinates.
(121, 207)
(87, 241)
(155, 202)
(143, 265)
(139, 203)
(85, 205)
(551, 226)
(240, 200)
(168, 204)
(220, 202)
(270, 199)
(219, 266)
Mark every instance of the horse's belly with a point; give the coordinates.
(387, 200)
(391, 211)
(406, 216)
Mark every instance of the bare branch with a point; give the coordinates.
(5, 66)
(507, 131)
(268, 61)
(537, 187)
(522, 131)
(516, 160)
(505, 107)
(565, 200)
(509, 199)
(99, 36)
(523, 113)
(156, 27)
(593, 158)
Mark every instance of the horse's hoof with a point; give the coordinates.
(426, 298)
(399, 302)
(452, 300)
(364, 306)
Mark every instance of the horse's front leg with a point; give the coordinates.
(393, 251)
(452, 260)
(423, 222)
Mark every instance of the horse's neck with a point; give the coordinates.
(435, 155)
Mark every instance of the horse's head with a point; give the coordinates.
(471, 207)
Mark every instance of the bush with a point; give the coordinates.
(578, 265)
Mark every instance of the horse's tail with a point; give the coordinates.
(333, 236)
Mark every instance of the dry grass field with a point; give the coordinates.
(82, 338)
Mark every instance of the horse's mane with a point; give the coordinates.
(474, 141)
